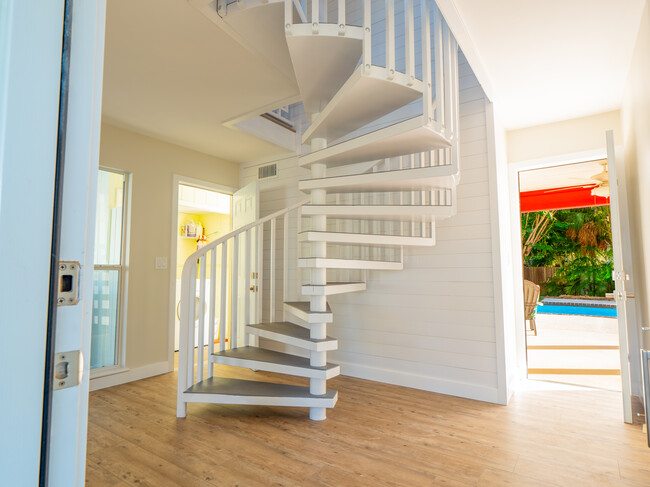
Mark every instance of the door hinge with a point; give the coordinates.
(620, 276)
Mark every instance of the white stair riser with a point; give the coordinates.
(417, 179)
(307, 316)
(364, 239)
(261, 400)
(324, 346)
(349, 264)
(277, 368)
(329, 289)
(381, 212)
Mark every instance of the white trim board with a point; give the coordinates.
(426, 383)
(176, 180)
(122, 376)
(503, 286)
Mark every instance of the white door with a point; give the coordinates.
(30, 63)
(245, 205)
(30, 82)
(246, 210)
(621, 278)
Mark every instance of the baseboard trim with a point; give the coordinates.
(422, 382)
(129, 375)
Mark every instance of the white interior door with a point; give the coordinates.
(245, 205)
(30, 84)
(30, 74)
(621, 278)
(245, 210)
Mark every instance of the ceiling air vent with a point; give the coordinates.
(268, 171)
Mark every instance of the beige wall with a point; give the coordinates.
(561, 138)
(635, 115)
(152, 164)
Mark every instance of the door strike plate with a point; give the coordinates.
(68, 293)
(68, 369)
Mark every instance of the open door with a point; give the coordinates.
(619, 276)
(246, 210)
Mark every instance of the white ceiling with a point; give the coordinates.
(548, 61)
(560, 176)
(170, 73)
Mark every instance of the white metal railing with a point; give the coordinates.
(222, 292)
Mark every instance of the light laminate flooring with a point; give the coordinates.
(378, 435)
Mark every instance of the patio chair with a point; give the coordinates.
(531, 296)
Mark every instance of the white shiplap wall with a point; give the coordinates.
(430, 326)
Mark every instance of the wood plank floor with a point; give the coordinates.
(378, 435)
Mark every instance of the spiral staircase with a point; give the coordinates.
(379, 82)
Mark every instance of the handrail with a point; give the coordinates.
(228, 295)
(228, 236)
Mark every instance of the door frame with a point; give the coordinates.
(178, 179)
(515, 222)
(515, 216)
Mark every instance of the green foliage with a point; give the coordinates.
(579, 242)
(582, 276)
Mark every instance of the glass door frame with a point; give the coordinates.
(122, 270)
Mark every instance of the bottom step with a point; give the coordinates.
(217, 390)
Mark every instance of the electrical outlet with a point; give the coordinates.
(161, 262)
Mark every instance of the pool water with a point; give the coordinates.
(555, 309)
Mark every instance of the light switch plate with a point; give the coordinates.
(161, 262)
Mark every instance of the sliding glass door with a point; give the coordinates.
(109, 270)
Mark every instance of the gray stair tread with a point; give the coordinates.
(289, 329)
(271, 357)
(304, 306)
(238, 387)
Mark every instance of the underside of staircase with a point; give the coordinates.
(401, 178)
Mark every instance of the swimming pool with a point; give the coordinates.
(583, 307)
(554, 309)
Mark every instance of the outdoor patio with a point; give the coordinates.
(573, 349)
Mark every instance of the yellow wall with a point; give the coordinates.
(152, 164)
(212, 222)
(635, 115)
(561, 138)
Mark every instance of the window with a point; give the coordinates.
(109, 269)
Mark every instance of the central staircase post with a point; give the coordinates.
(318, 278)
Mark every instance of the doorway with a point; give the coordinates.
(202, 216)
(572, 334)
(621, 250)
